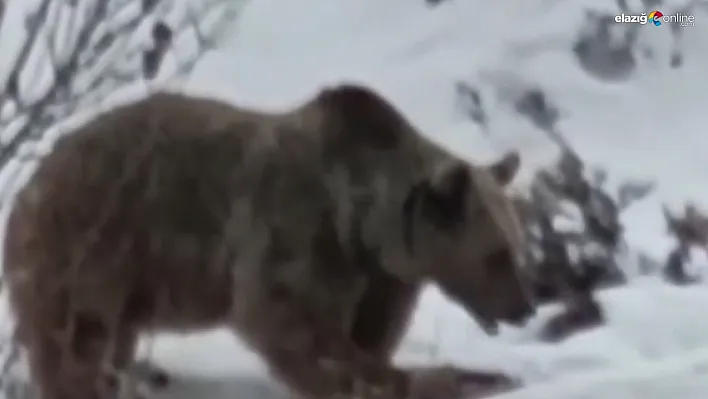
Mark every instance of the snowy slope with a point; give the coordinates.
(648, 124)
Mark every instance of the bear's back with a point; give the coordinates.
(165, 154)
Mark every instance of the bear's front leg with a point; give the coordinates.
(451, 381)
(382, 318)
(317, 359)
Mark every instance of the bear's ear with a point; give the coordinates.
(505, 169)
(362, 116)
(445, 202)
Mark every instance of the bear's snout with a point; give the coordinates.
(520, 314)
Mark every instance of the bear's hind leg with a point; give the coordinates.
(68, 363)
(142, 377)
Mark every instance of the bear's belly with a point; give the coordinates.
(182, 283)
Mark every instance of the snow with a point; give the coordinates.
(646, 126)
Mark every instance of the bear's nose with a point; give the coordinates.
(521, 314)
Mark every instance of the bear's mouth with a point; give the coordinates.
(488, 325)
(474, 307)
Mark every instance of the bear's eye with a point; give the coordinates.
(499, 262)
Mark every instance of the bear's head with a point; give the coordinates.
(463, 232)
(459, 229)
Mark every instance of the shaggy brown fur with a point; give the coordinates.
(309, 233)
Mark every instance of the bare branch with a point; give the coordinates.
(148, 6)
(691, 228)
(162, 35)
(152, 60)
(33, 25)
(92, 48)
(470, 102)
(633, 191)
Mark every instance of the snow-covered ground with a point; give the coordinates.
(648, 125)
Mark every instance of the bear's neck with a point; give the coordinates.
(369, 199)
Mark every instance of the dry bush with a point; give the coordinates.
(689, 229)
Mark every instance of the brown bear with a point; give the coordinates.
(309, 233)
